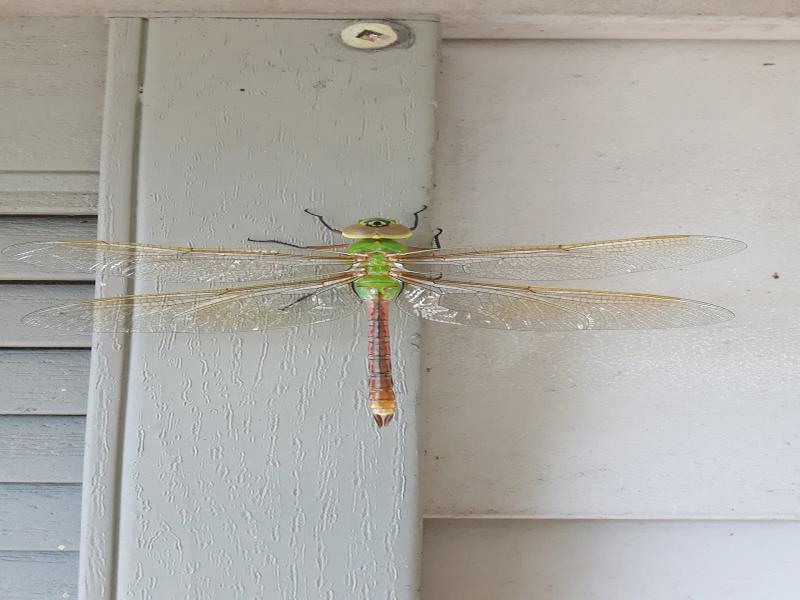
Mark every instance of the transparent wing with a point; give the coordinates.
(550, 309)
(177, 263)
(251, 308)
(572, 261)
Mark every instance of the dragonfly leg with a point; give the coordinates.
(291, 245)
(416, 217)
(300, 299)
(436, 243)
(322, 220)
(437, 232)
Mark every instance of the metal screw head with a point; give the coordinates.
(369, 35)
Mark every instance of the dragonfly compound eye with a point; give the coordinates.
(376, 222)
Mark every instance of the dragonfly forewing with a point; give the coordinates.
(571, 261)
(179, 264)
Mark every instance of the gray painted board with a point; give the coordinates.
(41, 449)
(556, 143)
(44, 382)
(48, 203)
(51, 71)
(16, 230)
(18, 299)
(610, 559)
(39, 516)
(38, 575)
(64, 182)
(255, 459)
(108, 385)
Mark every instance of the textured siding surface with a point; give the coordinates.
(252, 458)
(625, 560)
(51, 94)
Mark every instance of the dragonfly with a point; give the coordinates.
(373, 270)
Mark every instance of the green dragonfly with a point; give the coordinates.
(299, 285)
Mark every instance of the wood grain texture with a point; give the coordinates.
(17, 230)
(255, 459)
(568, 141)
(624, 560)
(51, 70)
(41, 449)
(48, 203)
(38, 575)
(19, 299)
(43, 517)
(44, 382)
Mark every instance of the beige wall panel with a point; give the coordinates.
(544, 142)
(619, 560)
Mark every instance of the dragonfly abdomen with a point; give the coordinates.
(379, 362)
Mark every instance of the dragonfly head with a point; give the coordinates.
(377, 228)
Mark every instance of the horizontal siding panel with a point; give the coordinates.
(17, 230)
(40, 516)
(18, 300)
(43, 181)
(44, 382)
(38, 575)
(52, 72)
(620, 560)
(41, 449)
(48, 203)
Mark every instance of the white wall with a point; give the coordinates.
(548, 141)
(557, 141)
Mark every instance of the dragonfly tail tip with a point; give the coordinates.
(382, 420)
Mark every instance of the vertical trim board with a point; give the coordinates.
(106, 404)
(252, 457)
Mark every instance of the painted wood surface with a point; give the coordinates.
(29, 183)
(48, 203)
(44, 382)
(108, 385)
(623, 560)
(51, 109)
(38, 575)
(568, 141)
(41, 449)
(35, 575)
(264, 448)
(17, 230)
(500, 19)
(44, 517)
(20, 299)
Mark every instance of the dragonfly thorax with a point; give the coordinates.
(376, 281)
(376, 245)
